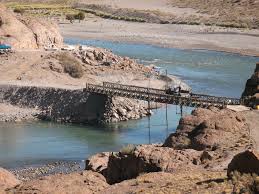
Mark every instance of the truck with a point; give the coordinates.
(177, 91)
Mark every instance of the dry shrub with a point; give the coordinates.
(245, 183)
(71, 65)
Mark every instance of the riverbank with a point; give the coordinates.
(241, 41)
(205, 154)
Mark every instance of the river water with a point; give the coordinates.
(215, 73)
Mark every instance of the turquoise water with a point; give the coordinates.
(215, 73)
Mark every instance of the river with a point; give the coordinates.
(209, 72)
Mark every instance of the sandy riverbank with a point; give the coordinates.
(242, 41)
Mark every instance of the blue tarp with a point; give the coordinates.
(4, 46)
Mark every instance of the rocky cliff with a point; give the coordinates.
(27, 32)
(251, 92)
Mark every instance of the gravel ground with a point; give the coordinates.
(37, 171)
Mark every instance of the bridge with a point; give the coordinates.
(161, 96)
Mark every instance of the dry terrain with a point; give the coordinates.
(229, 26)
(166, 35)
(241, 13)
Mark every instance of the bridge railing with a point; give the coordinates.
(160, 95)
(133, 88)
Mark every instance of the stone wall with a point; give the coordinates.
(57, 104)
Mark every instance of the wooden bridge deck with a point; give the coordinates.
(158, 95)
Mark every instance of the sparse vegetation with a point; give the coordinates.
(44, 10)
(245, 183)
(71, 65)
(70, 17)
(80, 16)
(111, 16)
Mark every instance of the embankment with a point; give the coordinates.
(57, 104)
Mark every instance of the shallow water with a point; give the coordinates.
(214, 73)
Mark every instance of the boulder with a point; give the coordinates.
(98, 162)
(245, 162)
(30, 33)
(129, 164)
(208, 129)
(7, 180)
(122, 111)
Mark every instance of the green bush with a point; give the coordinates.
(80, 16)
(71, 65)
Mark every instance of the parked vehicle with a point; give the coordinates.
(68, 48)
(5, 47)
(178, 91)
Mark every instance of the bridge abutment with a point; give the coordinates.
(57, 104)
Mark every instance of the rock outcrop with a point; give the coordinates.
(207, 139)
(31, 33)
(210, 129)
(7, 180)
(131, 162)
(184, 181)
(245, 162)
(251, 92)
(105, 58)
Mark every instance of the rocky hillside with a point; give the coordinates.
(27, 32)
(251, 92)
